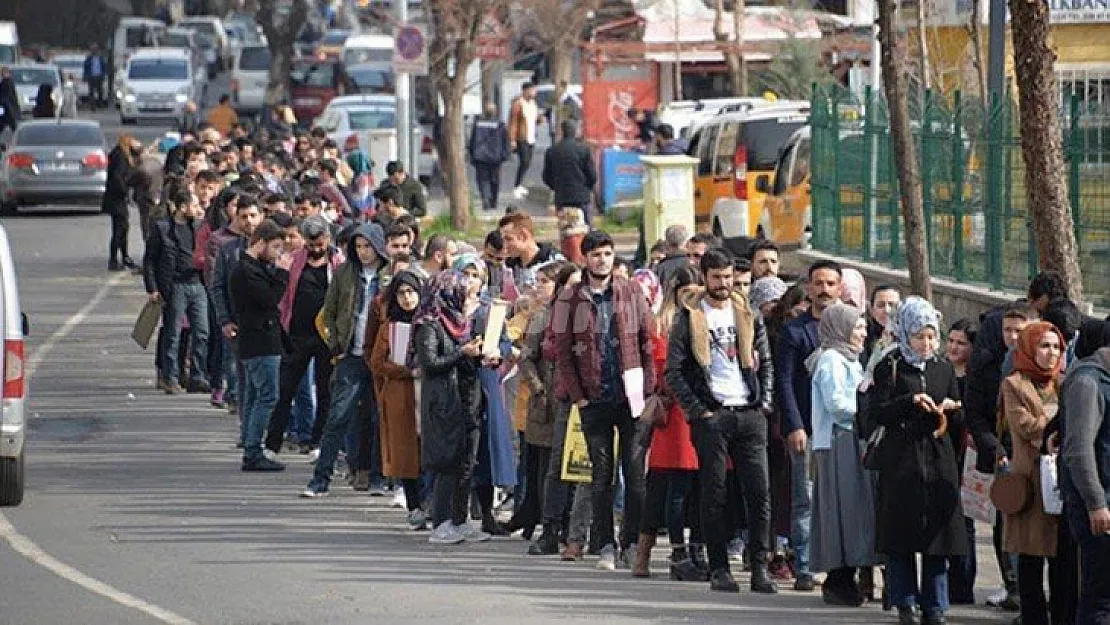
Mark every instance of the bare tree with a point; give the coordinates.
(733, 53)
(1041, 143)
(975, 34)
(896, 86)
(280, 25)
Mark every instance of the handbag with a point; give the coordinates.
(1011, 493)
(655, 411)
(147, 323)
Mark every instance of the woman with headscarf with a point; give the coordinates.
(1030, 401)
(853, 288)
(765, 293)
(396, 394)
(362, 181)
(123, 162)
(843, 525)
(44, 103)
(496, 460)
(450, 402)
(652, 289)
(915, 395)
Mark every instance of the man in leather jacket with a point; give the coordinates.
(719, 367)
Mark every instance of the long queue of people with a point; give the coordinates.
(797, 429)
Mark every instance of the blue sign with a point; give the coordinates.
(622, 176)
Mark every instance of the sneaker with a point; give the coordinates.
(608, 560)
(520, 192)
(217, 399)
(313, 493)
(805, 583)
(473, 534)
(722, 581)
(173, 388)
(628, 557)
(399, 502)
(161, 384)
(418, 520)
(376, 490)
(270, 455)
(446, 534)
(314, 455)
(262, 465)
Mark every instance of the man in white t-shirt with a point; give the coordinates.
(719, 367)
(524, 117)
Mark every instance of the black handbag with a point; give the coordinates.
(873, 458)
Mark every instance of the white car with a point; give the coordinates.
(159, 82)
(213, 28)
(13, 327)
(27, 79)
(250, 74)
(349, 120)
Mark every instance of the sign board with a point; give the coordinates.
(493, 39)
(1079, 11)
(410, 51)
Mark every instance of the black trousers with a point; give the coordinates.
(524, 153)
(489, 184)
(451, 494)
(96, 90)
(742, 436)
(671, 501)
(293, 367)
(599, 423)
(537, 460)
(1063, 584)
(121, 225)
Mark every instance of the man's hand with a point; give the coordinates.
(492, 363)
(473, 348)
(285, 262)
(231, 330)
(1100, 521)
(155, 296)
(796, 440)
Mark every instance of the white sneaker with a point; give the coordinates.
(271, 456)
(446, 534)
(314, 455)
(608, 561)
(399, 502)
(418, 520)
(473, 534)
(520, 192)
(309, 493)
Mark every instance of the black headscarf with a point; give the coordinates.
(393, 310)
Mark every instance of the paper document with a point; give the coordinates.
(399, 335)
(634, 390)
(495, 326)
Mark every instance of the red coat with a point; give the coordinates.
(671, 446)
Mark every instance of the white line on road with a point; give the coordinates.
(25, 546)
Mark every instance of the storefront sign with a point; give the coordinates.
(608, 96)
(1079, 11)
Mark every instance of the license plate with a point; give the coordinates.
(60, 168)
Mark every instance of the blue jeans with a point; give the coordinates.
(350, 384)
(801, 512)
(187, 299)
(901, 574)
(304, 409)
(231, 370)
(1094, 566)
(260, 395)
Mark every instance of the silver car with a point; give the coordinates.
(53, 161)
(160, 81)
(27, 79)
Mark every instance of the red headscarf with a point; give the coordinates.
(1025, 356)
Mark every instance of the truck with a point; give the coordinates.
(9, 43)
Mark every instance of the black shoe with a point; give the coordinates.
(262, 465)
(721, 581)
(304, 448)
(697, 556)
(934, 619)
(841, 596)
(805, 583)
(761, 581)
(199, 386)
(130, 264)
(906, 616)
(685, 570)
(114, 265)
(547, 544)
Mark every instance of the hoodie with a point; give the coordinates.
(347, 302)
(1085, 432)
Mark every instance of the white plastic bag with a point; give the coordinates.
(1050, 486)
(975, 491)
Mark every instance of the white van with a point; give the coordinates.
(250, 75)
(213, 28)
(160, 81)
(9, 43)
(133, 33)
(368, 49)
(13, 327)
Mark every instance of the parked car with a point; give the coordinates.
(212, 28)
(28, 77)
(159, 82)
(14, 328)
(250, 74)
(372, 77)
(131, 34)
(313, 84)
(73, 63)
(53, 161)
(186, 39)
(349, 119)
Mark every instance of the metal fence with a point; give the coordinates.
(978, 223)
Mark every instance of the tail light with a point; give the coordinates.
(95, 160)
(20, 160)
(427, 146)
(14, 387)
(740, 173)
(351, 143)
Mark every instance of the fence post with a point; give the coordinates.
(991, 210)
(868, 179)
(1075, 158)
(927, 138)
(834, 138)
(957, 192)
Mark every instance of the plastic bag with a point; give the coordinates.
(1050, 486)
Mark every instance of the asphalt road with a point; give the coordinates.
(136, 511)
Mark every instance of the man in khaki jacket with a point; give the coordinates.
(524, 117)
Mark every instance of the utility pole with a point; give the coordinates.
(404, 110)
(996, 49)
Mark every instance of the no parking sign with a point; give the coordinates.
(410, 51)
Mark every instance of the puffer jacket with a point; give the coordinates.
(450, 398)
(688, 357)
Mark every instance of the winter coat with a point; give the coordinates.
(450, 398)
(396, 394)
(919, 486)
(227, 259)
(984, 376)
(120, 175)
(667, 267)
(87, 67)
(166, 259)
(337, 317)
(489, 142)
(574, 337)
(568, 170)
(1085, 433)
(688, 357)
(256, 288)
(671, 445)
(1031, 532)
(538, 375)
(300, 260)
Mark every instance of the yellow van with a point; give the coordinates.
(737, 152)
(786, 208)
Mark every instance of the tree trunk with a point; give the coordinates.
(737, 68)
(281, 34)
(451, 153)
(281, 63)
(1041, 145)
(975, 33)
(560, 58)
(905, 156)
(923, 48)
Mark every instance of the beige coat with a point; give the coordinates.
(1031, 532)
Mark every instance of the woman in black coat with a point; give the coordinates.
(916, 398)
(9, 101)
(44, 103)
(450, 396)
(122, 176)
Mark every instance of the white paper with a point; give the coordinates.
(495, 326)
(399, 334)
(1050, 486)
(634, 390)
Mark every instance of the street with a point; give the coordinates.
(136, 510)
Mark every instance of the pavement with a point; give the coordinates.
(136, 511)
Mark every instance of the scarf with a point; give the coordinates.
(913, 316)
(393, 310)
(443, 301)
(1025, 356)
(838, 322)
(853, 288)
(649, 283)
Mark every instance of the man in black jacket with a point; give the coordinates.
(719, 366)
(170, 276)
(568, 170)
(489, 149)
(257, 286)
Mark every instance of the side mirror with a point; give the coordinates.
(763, 184)
(26, 323)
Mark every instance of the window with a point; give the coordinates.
(8, 54)
(354, 56)
(764, 138)
(34, 76)
(137, 37)
(319, 75)
(726, 149)
(158, 69)
(1092, 84)
(59, 134)
(372, 119)
(705, 149)
(206, 28)
(782, 170)
(177, 40)
(800, 171)
(335, 38)
(255, 59)
(372, 79)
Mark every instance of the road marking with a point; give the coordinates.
(25, 546)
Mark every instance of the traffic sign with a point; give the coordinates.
(410, 51)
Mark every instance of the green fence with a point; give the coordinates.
(977, 218)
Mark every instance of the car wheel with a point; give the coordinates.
(11, 481)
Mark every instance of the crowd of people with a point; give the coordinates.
(791, 429)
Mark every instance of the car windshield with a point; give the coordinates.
(34, 76)
(158, 69)
(205, 28)
(372, 118)
(368, 55)
(59, 134)
(373, 80)
(255, 59)
(176, 40)
(313, 75)
(764, 138)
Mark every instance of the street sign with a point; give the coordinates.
(410, 51)
(493, 39)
